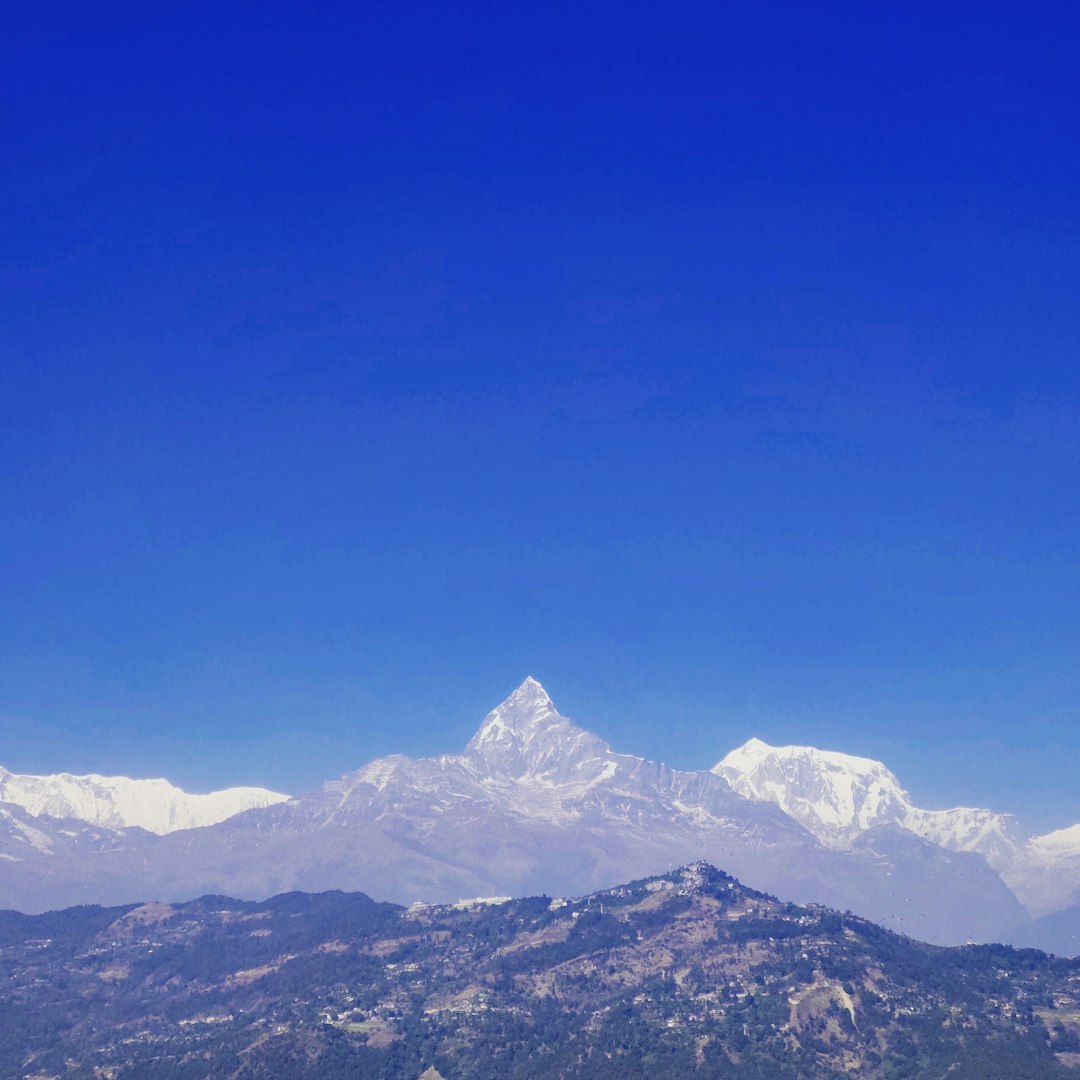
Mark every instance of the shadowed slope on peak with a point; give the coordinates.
(50, 861)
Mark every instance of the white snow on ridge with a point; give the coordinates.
(837, 796)
(118, 801)
(833, 795)
(1063, 842)
(529, 760)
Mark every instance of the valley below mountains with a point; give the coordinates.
(536, 804)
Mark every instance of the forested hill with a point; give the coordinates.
(690, 974)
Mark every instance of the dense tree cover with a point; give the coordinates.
(690, 975)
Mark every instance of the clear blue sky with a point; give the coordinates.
(717, 365)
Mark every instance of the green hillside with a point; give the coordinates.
(685, 975)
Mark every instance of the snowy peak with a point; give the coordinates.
(118, 802)
(838, 796)
(528, 760)
(511, 728)
(833, 795)
(526, 710)
(526, 735)
(755, 754)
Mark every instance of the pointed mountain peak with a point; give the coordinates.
(745, 757)
(756, 745)
(526, 733)
(530, 693)
(525, 710)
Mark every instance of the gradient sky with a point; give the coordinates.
(717, 365)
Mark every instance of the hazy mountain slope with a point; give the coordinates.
(118, 802)
(688, 973)
(52, 862)
(1050, 870)
(1057, 933)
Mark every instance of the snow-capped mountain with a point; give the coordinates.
(835, 796)
(533, 804)
(528, 759)
(838, 797)
(119, 802)
(537, 804)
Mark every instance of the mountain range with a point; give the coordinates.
(537, 804)
(118, 802)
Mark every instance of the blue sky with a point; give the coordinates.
(718, 367)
